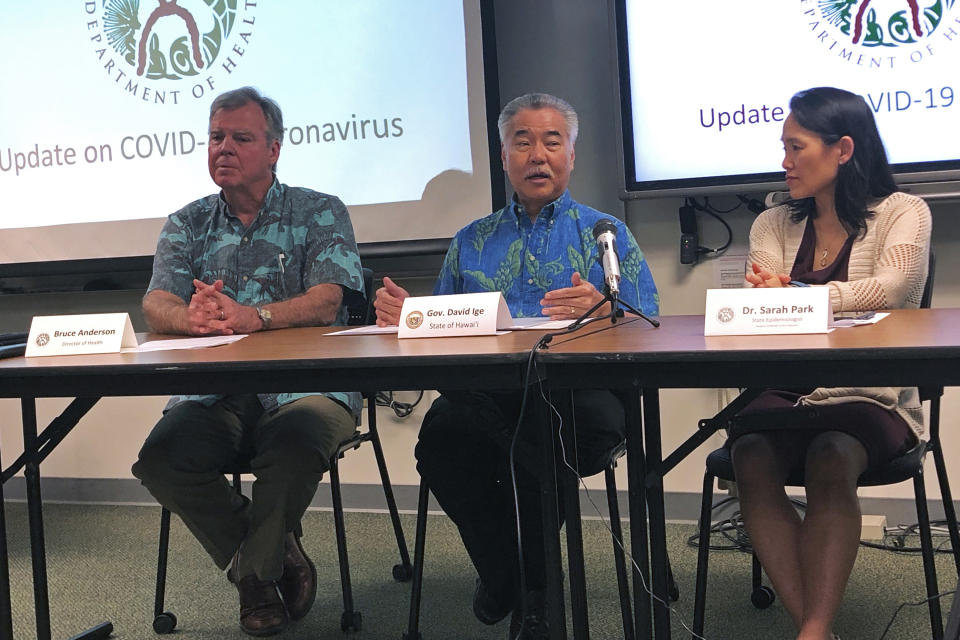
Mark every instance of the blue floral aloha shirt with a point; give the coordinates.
(507, 252)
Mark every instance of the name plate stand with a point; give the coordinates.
(78, 334)
(740, 312)
(463, 314)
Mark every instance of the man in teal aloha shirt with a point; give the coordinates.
(540, 252)
(256, 256)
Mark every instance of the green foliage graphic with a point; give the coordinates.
(898, 29)
(123, 30)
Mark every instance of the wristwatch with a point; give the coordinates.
(265, 317)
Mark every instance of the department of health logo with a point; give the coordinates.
(726, 315)
(42, 339)
(882, 34)
(167, 51)
(414, 319)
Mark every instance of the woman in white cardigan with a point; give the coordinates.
(848, 228)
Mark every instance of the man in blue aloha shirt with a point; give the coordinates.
(259, 255)
(540, 252)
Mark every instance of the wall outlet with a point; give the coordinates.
(871, 527)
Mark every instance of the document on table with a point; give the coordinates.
(185, 343)
(869, 317)
(521, 324)
(364, 331)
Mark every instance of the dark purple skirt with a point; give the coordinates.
(882, 432)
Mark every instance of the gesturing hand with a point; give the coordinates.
(388, 302)
(569, 303)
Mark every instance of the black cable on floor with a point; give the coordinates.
(402, 409)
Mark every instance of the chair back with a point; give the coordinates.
(360, 304)
(926, 299)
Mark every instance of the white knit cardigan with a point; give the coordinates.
(887, 270)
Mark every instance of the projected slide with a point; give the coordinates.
(711, 82)
(105, 106)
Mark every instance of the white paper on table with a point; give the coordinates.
(185, 343)
(520, 324)
(873, 318)
(375, 330)
(364, 331)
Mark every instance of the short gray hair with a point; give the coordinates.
(539, 101)
(244, 95)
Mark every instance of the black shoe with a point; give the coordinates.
(531, 625)
(487, 609)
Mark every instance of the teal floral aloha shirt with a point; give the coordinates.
(301, 238)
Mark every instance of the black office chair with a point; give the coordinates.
(623, 585)
(909, 466)
(350, 620)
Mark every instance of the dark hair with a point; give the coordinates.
(244, 95)
(832, 114)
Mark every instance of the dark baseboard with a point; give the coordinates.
(680, 506)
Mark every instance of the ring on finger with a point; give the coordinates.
(221, 314)
(572, 310)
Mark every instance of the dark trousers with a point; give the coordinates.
(463, 454)
(288, 450)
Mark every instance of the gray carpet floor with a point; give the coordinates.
(102, 563)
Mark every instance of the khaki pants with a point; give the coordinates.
(288, 450)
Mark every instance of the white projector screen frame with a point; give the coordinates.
(385, 105)
(682, 69)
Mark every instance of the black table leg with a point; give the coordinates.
(639, 546)
(551, 521)
(658, 531)
(6, 607)
(31, 471)
(38, 555)
(570, 485)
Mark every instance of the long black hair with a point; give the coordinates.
(833, 113)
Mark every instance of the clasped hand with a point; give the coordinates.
(759, 277)
(212, 312)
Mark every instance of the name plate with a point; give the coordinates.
(90, 333)
(739, 312)
(462, 314)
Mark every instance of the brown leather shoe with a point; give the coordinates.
(298, 585)
(261, 610)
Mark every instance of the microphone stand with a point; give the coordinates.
(614, 313)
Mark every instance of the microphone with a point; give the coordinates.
(605, 233)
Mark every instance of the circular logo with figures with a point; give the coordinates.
(414, 319)
(725, 315)
(42, 339)
(879, 34)
(164, 51)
